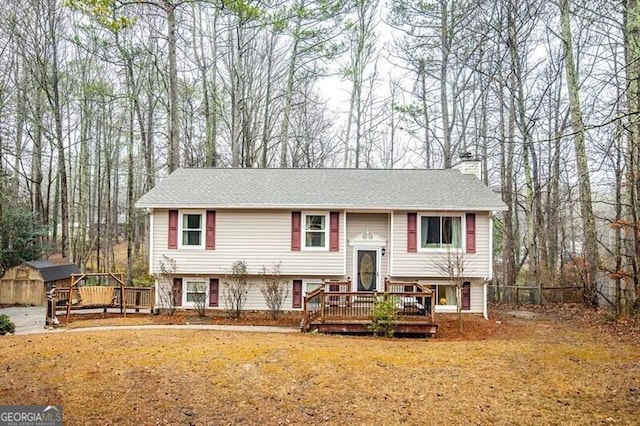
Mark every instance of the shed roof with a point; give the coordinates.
(52, 271)
(367, 189)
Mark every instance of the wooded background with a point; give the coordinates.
(101, 98)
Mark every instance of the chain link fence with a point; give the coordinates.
(523, 295)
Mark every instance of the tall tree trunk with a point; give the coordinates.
(80, 242)
(56, 106)
(632, 60)
(422, 75)
(129, 224)
(208, 104)
(510, 239)
(264, 149)
(288, 91)
(36, 158)
(584, 184)
(174, 119)
(445, 42)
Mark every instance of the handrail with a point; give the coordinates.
(335, 299)
(359, 305)
(419, 290)
(313, 307)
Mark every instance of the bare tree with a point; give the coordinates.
(166, 291)
(584, 183)
(453, 267)
(199, 296)
(236, 286)
(274, 289)
(362, 54)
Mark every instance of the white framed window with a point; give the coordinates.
(191, 229)
(446, 296)
(195, 292)
(310, 286)
(315, 233)
(440, 232)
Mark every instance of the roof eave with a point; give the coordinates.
(321, 207)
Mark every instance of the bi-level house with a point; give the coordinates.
(356, 225)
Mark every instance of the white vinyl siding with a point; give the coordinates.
(255, 299)
(427, 263)
(258, 237)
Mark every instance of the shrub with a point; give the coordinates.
(383, 314)
(200, 299)
(6, 326)
(236, 289)
(274, 290)
(167, 293)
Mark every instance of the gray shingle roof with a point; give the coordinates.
(51, 271)
(367, 189)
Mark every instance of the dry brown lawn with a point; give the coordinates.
(514, 371)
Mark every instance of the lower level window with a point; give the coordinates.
(310, 287)
(446, 295)
(196, 292)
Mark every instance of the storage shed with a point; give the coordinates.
(27, 283)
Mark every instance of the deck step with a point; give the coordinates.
(351, 326)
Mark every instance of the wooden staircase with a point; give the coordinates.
(335, 308)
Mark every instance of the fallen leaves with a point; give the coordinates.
(502, 371)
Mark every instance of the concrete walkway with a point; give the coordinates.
(27, 319)
(213, 327)
(31, 320)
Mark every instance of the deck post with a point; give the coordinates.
(51, 319)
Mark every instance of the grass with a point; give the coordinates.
(521, 372)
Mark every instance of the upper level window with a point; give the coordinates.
(315, 231)
(192, 229)
(440, 232)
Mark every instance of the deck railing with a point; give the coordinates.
(102, 296)
(137, 297)
(336, 300)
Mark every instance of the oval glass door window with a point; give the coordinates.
(367, 271)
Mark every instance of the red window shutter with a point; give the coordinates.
(213, 292)
(296, 219)
(177, 291)
(211, 230)
(173, 229)
(297, 294)
(466, 295)
(471, 232)
(334, 231)
(412, 232)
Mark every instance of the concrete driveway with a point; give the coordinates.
(31, 320)
(28, 319)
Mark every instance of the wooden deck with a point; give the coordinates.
(335, 308)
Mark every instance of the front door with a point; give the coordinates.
(367, 270)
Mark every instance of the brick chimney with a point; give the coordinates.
(469, 165)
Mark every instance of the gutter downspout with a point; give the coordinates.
(485, 312)
(490, 277)
(150, 215)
